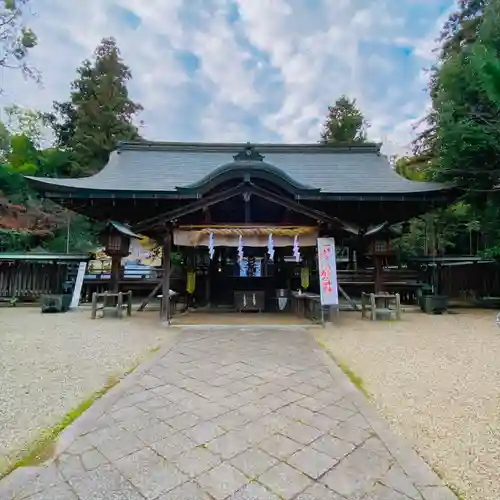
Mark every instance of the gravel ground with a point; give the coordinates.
(436, 379)
(49, 363)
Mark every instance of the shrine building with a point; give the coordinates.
(244, 219)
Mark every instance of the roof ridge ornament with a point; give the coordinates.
(249, 153)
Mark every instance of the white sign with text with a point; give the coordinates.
(327, 266)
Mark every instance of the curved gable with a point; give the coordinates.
(247, 165)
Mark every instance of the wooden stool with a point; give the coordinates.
(116, 304)
(377, 312)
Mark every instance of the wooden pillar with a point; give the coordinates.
(165, 290)
(379, 279)
(211, 269)
(115, 273)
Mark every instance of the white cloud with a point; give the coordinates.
(267, 74)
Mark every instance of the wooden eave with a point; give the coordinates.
(63, 192)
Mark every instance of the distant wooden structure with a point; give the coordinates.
(27, 276)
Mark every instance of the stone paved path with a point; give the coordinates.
(231, 413)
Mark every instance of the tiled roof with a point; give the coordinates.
(164, 167)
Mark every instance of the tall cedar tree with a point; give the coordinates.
(99, 113)
(459, 31)
(461, 28)
(445, 148)
(462, 141)
(344, 123)
(468, 109)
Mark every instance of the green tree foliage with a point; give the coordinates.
(87, 127)
(4, 142)
(450, 230)
(468, 110)
(16, 241)
(99, 112)
(461, 28)
(23, 155)
(344, 123)
(411, 169)
(461, 141)
(16, 39)
(459, 31)
(54, 162)
(20, 158)
(49, 222)
(77, 235)
(28, 122)
(468, 106)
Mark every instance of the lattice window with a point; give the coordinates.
(381, 246)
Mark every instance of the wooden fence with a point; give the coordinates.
(478, 279)
(28, 280)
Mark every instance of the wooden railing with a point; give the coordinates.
(406, 282)
(389, 277)
(360, 277)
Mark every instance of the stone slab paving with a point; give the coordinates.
(231, 413)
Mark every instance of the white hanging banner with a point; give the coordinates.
(240, 248)
(75, 300)
(296, 248)
(211, 246)
(270, 246)
(327, 266)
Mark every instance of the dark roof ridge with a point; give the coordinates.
(370, 147)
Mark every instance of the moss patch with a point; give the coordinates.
(457, 491)
(355, 379)
(42, 448)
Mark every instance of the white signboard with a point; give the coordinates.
(75, 300)
(327, 266)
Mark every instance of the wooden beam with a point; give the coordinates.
(247, 189)
(195, 206)
(348, 298)
(248, 214)
(379, 279)
(293, 205)
(286, 216)
(165, 303)
(148, 299)
(115, 273)
(207, 216)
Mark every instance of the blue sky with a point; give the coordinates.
(246, 70)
